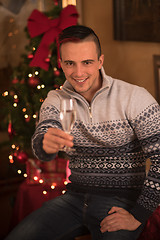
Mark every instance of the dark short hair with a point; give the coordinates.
(77, 33)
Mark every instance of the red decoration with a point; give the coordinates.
(33, 81)
(30, 56)
(11, 131)
(56, 73)
(47, 59)
(15, 80)
(38, 24)
(22, 157)
(16, 100)
(55, 2)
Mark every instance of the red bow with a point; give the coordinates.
(38, 23)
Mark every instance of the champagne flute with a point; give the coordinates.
(67, 117)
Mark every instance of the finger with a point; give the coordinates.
(114, 209)
(60, 133)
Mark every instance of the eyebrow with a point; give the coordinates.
(87, 60)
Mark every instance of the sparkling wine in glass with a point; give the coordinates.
(67, 117)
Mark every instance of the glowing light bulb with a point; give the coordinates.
(42, 86)
(63, 191)
(15, 96)
(24, 110)
(5, 94)
(35, 178)
(38, 87)
(30, 75)
(34, 116)
(25, 175)
(13, 146)
(65, 182)
(19, 171)
(44, 192)
(14, 104)
(41, 181)
(36, 73)
(26, 115)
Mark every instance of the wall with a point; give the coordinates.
(130, 61)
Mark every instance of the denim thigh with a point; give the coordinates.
(58, 219)
(96, 210)
(69, 215)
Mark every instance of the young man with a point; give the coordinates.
(117, 128)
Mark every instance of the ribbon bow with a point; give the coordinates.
(38, 24)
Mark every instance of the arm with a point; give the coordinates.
(145, 121)
(49, 136)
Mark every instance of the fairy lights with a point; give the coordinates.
(15, 105)
(5, 94)
(19, 171)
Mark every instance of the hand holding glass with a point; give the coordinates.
(67, 117)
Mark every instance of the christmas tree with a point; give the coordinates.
(37, 74)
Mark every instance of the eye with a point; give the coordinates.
(88, 62)
(69, 63)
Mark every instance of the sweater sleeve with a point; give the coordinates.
(49, 118)
(146, 124)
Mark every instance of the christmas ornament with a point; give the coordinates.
(33, 81)
(15, 80)
(56, 2)
(56, 73)
(56, 86)
(11, 131)
(30, 56)
(16, 100)
(22, 157)
(38, 24)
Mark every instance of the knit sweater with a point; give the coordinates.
(113, 137)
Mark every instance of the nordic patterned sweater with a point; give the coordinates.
(113, 137)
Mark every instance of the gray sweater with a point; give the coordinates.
(113, 137)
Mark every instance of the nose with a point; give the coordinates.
(78, 70)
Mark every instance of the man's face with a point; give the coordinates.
(80, 64)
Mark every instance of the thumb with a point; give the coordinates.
(114, 209)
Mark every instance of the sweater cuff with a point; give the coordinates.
(38, 150)
(140, 213)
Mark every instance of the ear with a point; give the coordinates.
(101, 60)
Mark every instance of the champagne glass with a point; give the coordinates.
(67, 117)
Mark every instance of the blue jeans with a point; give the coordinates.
(69, 215)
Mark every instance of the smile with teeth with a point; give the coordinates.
(80, 80)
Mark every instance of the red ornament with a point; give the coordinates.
(11, 132)
(56, 86)
(30, 56)
(16, 100)
(56, 2)
(22, 157)
(56, 73)
(33, 81)
(15, 80)
(47, 60)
